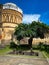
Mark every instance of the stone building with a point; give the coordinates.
(10, 16)
(45, 40)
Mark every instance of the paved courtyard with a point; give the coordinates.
(22, 60)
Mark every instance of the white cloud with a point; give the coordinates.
(28, 18)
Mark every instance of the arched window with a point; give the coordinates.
(17, 20)
(11, 19)
(7, 18)
(14, 19)
(3, 18)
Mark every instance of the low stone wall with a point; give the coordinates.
(38, 40)
(25, 41)
(5, 42)
(35, 41)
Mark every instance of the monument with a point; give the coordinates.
(10, 16)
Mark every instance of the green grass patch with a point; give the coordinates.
(47, 54)
(4, 50)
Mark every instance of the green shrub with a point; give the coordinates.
(40, 46)
(12, 45)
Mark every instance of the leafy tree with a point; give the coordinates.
(40, 33)
(35, 29)
(24, 30)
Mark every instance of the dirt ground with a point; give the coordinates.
(22, 60)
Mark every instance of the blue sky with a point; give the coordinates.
(32, 9)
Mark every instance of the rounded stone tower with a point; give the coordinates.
(11, 16)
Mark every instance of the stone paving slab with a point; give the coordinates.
(14, 60)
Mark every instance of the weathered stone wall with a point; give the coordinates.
(38, 40)
(11, 16)
(9, 19)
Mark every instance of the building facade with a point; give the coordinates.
(10, 16)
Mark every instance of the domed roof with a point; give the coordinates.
(11, 6)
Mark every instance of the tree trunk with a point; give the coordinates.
(30, 42)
